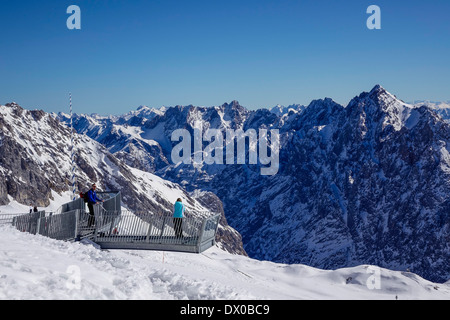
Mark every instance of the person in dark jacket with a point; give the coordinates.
(178, 216)
(91, 200)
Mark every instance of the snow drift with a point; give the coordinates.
(39, 268)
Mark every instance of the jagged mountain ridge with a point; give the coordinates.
(362, 184)
(440, 107)
(35, 161)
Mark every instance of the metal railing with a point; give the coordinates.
(59, 226)
(7, 218)
(28, 222)
(208, 232)
(112, 200)
(82, 226)
(77, 204)
(148, 231)
(71, 221)
(113, 228)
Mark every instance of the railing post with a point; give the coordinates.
(162, 227)
(200, 236)
(77, 221)
(38, 227)
(149, 231)
(217, 227)
(30, 223)
(95, 232)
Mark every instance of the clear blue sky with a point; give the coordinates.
(259, 52)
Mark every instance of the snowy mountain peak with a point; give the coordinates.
(378, 89)
(282, 111)
(320, 112)
(381, 107)
(233, 106)
(12, 105)
(362, 184)
(141, 108)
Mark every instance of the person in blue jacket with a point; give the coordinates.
(178, 216)
(91, 200)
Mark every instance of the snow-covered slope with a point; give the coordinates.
(37, 268)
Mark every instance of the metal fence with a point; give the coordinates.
(71, 206)
(6, 218)
(60, 226)
(71, 221)
(113, 228)
(28, 222)
(208, 232)
(112, 201)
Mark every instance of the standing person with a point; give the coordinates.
(92, 199)
(178, 216)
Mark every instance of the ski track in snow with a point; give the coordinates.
(39, 268)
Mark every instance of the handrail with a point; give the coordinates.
(7, 218)
(115, 228)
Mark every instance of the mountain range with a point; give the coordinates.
(367, 183)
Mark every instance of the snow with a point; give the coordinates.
(157, 135)
(14, 207)
(413, 119)
(35, 267)
(38, 268)
(150, 185)
(436, 105)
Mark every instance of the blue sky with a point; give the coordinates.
(259, 52)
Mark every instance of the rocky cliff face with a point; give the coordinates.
(28, 163)
(364, 184)
(35, 161)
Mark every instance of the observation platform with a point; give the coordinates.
(114, 228)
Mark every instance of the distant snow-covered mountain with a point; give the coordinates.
(440, 107)
(280, 110)
(363, 184)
